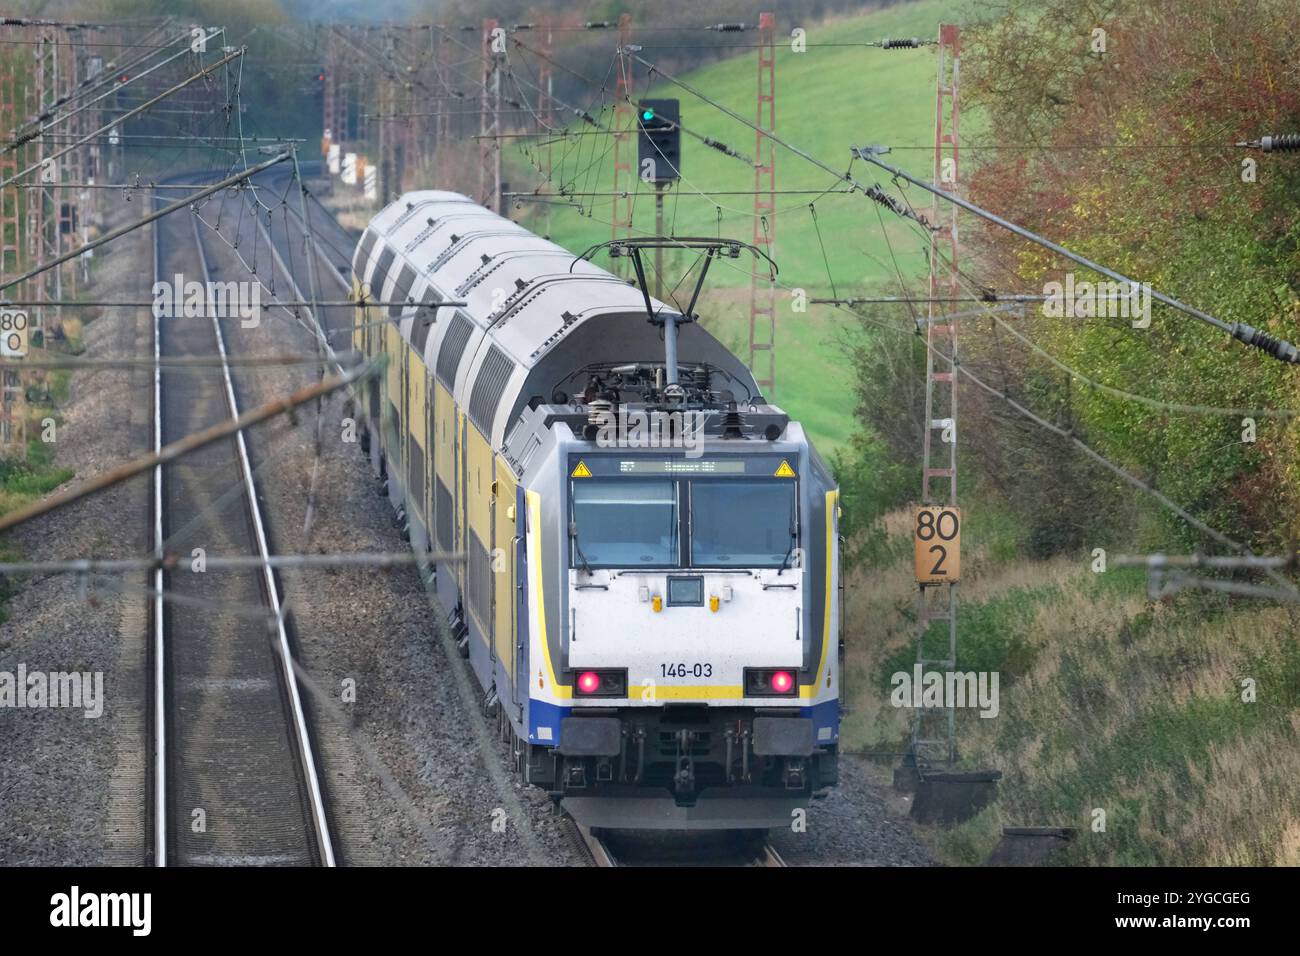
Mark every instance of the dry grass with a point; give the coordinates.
(880, 613)
(1119, 704)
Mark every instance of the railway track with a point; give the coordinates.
(234, 770)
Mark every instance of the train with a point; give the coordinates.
(652, 613)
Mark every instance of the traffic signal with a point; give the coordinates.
(659, 141)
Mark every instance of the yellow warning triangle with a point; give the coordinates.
(785, 471)
(582, 471)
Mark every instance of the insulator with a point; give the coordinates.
(733, 423)
(1278, 348)
(888, 44)
(1278, 144)
(728, 27)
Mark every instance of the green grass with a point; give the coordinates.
(829, 99)
(23, 480)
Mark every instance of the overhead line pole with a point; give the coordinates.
(940, 405)
(623, 148)
(490, 120)
(762, 292)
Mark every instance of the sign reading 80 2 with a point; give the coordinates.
(13, 332)
(937, 537)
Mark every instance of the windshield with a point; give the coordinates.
(625, 524)
(743, 524)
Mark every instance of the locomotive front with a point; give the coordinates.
(701, 622)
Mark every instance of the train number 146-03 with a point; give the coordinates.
(685, 670)
(937, 536)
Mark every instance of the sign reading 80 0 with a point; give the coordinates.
(13, 332)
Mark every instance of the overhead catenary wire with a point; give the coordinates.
(1241, 331)
(131, 226)
(1210, 532)
(1248, 334)
(1164, 500)
(201, 74)
(45, 122)
(873, 192)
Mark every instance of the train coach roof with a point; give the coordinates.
(528, 291)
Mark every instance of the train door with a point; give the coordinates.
(392, 419)
(519, 598)
(404, 436)
(503, 571)
(417, 447)
(493, 561)
(478, 536)
(462, 501)
(444, 457)
(431, 445)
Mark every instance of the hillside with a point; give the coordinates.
(1174, 718)
(892, 101)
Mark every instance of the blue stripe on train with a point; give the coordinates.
(826, 721)
(544, 721)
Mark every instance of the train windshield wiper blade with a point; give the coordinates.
(785, 562)
(577, 548)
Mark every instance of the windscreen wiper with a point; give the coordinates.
(785, 562)
(577, 548)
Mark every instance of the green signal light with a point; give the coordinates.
(647, 114)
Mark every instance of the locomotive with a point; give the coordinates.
(636, 551)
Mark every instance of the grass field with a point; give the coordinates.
(830, 98)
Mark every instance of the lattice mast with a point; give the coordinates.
(489, 144)
(546, 104)
(330, 129)
(625, 148)
(762, 291)
(938, 602)
(13, 407)
(43, 211)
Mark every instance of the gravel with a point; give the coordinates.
(862, 822)
(72, 789)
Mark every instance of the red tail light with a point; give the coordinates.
(606, 682)
(770, 682)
